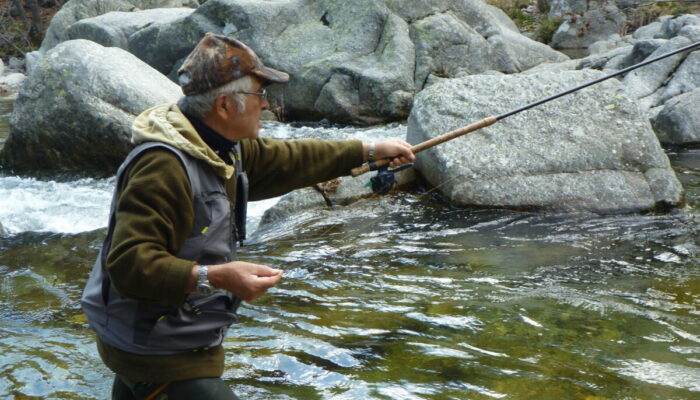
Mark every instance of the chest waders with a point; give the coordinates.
(150, 328)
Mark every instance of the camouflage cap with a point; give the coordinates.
(218, 60)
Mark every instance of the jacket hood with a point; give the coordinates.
(165, 123)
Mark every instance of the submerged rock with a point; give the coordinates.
(345, 190)
(593, 150)
(74, 112)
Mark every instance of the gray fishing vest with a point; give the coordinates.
(202, 321)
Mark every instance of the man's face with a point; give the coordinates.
(246, 125)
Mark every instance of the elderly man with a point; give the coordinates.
(167, 284)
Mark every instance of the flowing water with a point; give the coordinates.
(398, 297)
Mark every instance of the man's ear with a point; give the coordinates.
(222, 104)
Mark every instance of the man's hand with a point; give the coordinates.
(398, 150)
(246, 280)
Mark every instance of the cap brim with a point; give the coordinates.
(272, 75)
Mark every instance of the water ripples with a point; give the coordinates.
(454, 299)
(402, 297)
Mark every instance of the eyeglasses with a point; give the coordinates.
(262, 94)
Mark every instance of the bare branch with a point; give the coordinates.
(9, 42)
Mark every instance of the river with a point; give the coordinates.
(395, 297)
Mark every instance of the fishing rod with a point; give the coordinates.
(384, 180)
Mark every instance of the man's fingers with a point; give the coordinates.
(266, 282)
(399, 150)
(264, 270)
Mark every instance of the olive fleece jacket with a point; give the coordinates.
(154, 216)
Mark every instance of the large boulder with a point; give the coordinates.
(76, 10)
(679, 121)
(592, 150)
(115, 28)
(446, 46)
(75, 110)
(355, 61)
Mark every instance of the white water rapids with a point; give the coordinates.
(29, 204)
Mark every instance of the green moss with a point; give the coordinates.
(538, 23)
(547, 27)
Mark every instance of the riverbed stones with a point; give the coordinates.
(643, 82)
(595, 24)
(593, 150)
(559, 8)
(679, 120)
(74, 112)
(10, 83)
(684, 79)
(692, 32)
(655, 84)
(672, 27)
(647, 31)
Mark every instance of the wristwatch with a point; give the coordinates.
(203, 285)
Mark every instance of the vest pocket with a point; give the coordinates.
(211, 238)
(200, 322)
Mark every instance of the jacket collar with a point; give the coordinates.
(221, 146)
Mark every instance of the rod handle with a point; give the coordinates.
(366, 167)
(428, 144)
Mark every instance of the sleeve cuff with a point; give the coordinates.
(174, 290)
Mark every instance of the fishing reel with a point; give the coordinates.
(384, 180)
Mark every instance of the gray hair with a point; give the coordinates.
(201, 104)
